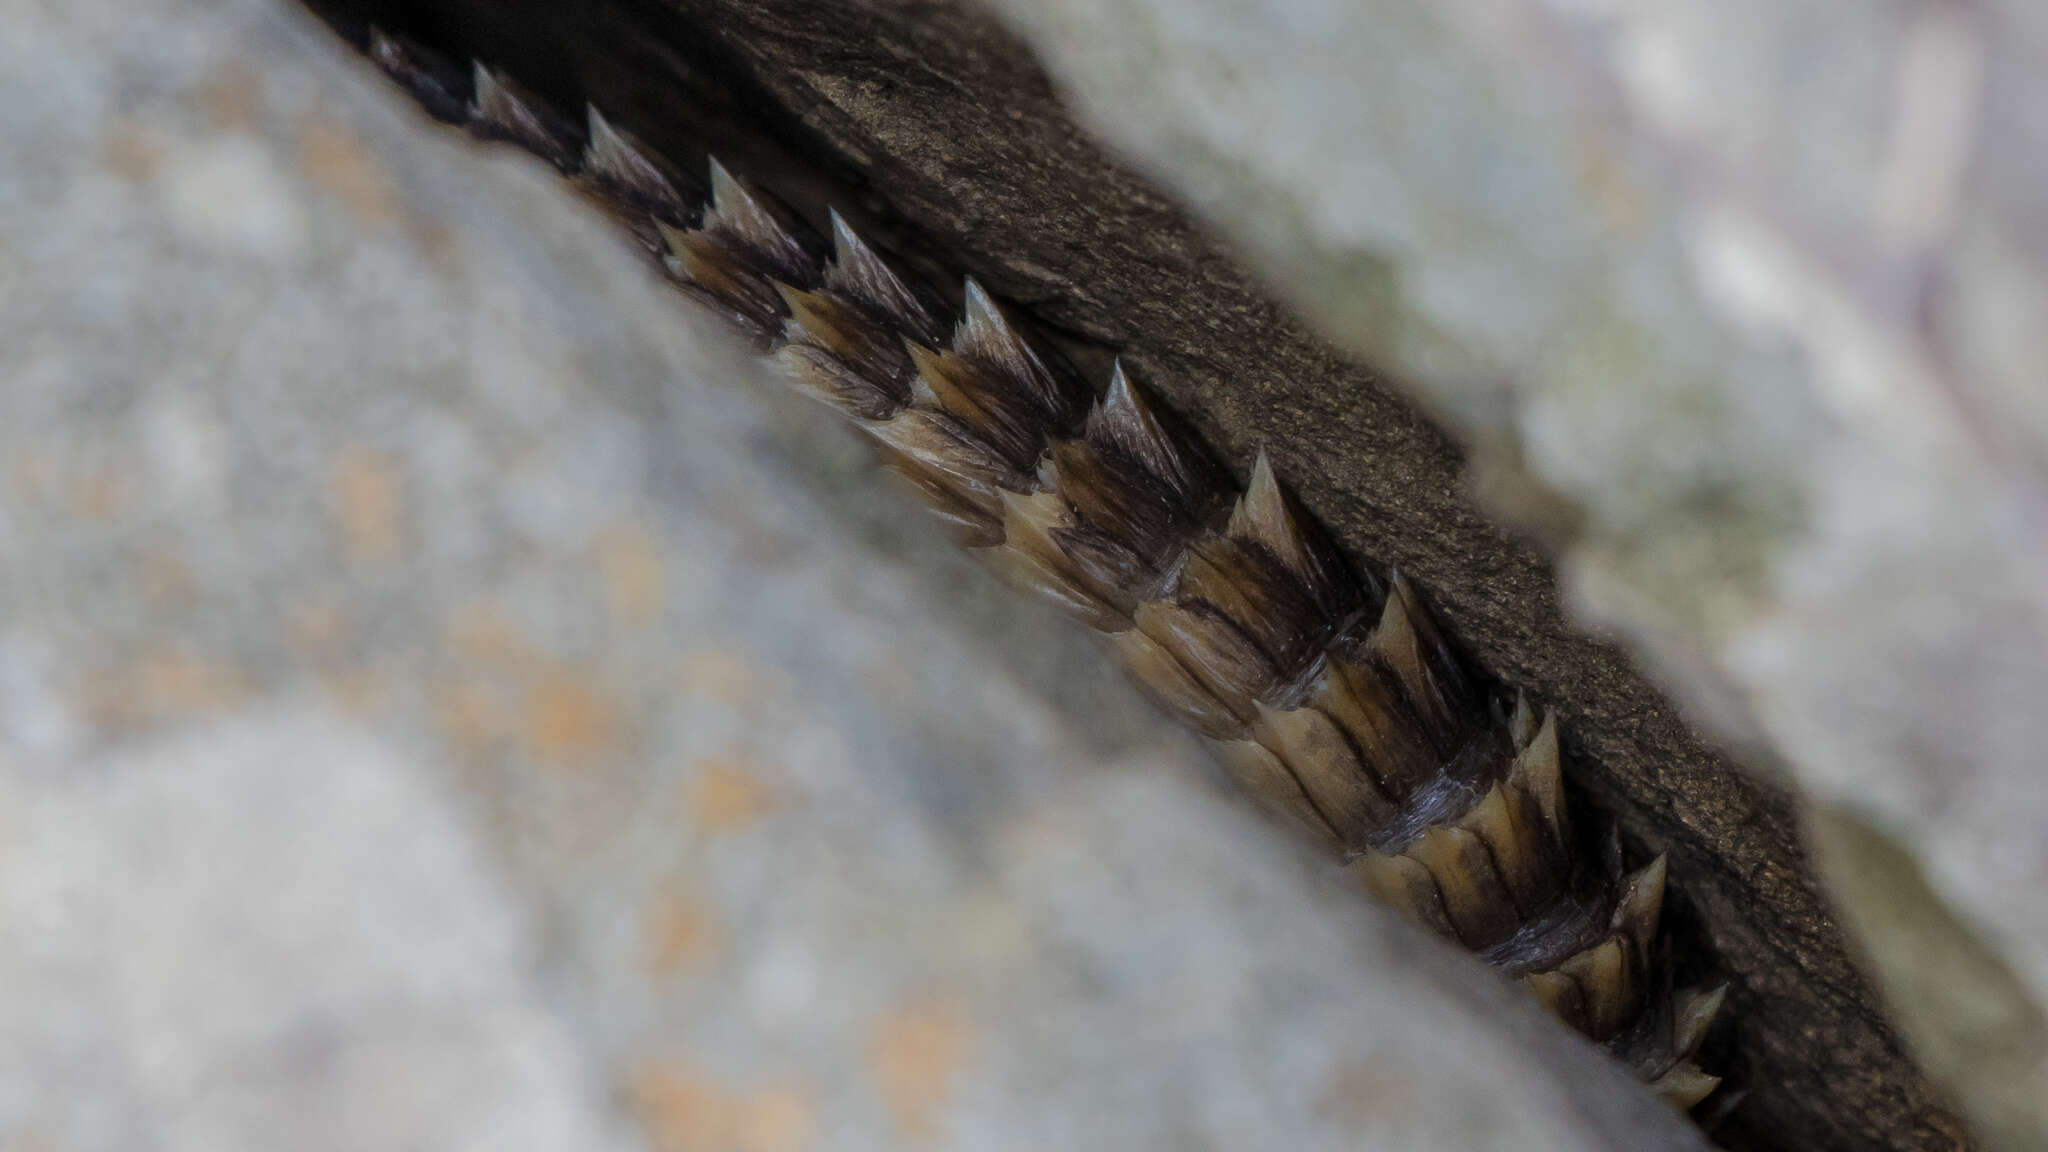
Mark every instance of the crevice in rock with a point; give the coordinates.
(933, 129)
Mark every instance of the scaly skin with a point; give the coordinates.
(1331, 693)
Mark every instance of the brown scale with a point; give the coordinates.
(741, 251)
(1335, 699)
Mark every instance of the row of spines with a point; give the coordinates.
(1333, 696)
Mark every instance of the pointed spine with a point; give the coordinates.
(1335, 699)
(428, 77)
(505, 112)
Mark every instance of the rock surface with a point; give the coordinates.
(1754, 296)
(938, 130)
(446, 701)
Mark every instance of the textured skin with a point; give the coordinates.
(937, 133)
(1331, 692)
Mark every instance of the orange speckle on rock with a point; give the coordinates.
(469, 714)
(163, 578)
(232, 95)
(717, 675)
(175, 684)
(364, 490)
(568, 721)
(162, 686)
(725, 797)
(314, 623)
(774, 1119)
(913, 1054)
(480, 634)
(632, 574)
(334, 159)
(131, 154)
(677, 1111)
(681, 1112)
(31, 472)
(359, 690)
(1609, 188)
(101, 493)
(681, 934)
(1361, 1095)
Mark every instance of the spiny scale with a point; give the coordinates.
(1335, 698)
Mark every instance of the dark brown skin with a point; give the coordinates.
(943, 139)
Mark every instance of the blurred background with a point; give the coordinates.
(449, 697)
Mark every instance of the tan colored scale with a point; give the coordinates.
(1335, 699)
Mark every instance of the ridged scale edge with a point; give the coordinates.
(1332, 695)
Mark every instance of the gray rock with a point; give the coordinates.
(937, 129)
(448, 700)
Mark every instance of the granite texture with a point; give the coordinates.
(937, 130)
(449, 700)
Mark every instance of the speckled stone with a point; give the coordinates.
(1453, 189)
(448, 700)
